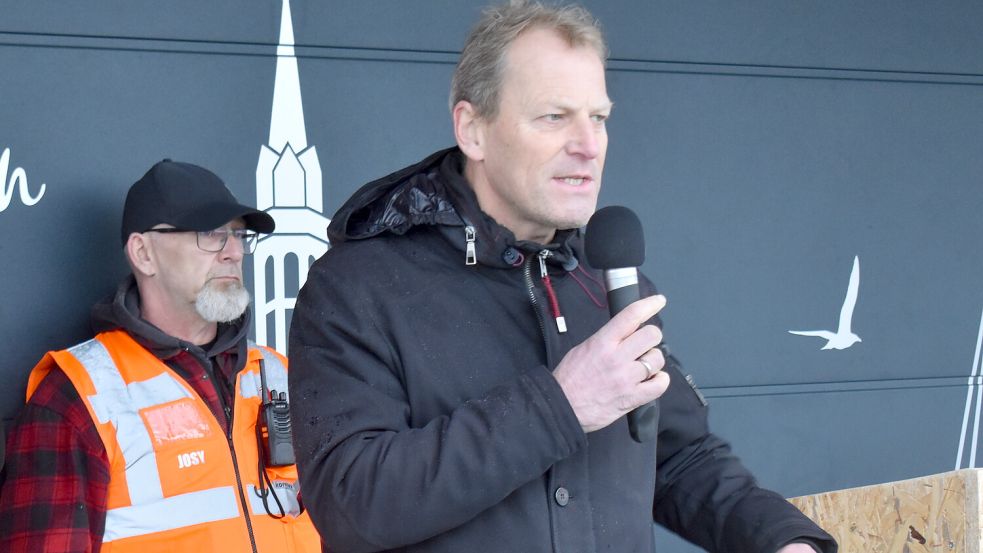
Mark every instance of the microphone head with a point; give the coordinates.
(614, 239)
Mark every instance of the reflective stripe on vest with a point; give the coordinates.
(287, 492)
(171, 513)
(120, 403)
(276, 375)
(250, 385)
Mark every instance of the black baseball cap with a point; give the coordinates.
(188, 197)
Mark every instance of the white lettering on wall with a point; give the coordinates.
(18, 180)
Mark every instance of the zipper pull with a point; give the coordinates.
(228, 418)
(470, 257)
(561, 323)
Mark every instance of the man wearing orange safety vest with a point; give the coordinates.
(167, 431)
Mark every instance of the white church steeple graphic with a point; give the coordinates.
(288, 187)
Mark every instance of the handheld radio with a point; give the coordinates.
(275, 421)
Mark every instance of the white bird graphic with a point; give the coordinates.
(843, 337)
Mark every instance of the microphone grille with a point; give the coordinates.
(614, 239)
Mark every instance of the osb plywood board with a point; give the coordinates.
(937, 514)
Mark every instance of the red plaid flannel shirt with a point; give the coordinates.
(54, 495)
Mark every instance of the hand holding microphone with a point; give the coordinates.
(618, 370)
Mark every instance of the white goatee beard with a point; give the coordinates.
(222, 304)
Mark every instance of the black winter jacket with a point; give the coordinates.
(426, 416)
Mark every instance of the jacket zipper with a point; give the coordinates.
(470, 256)
(235, 462)
(561, 323)
(235, 468)
(531, 290)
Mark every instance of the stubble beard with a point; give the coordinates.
(572, 218)
(564, 214)
(222, 303)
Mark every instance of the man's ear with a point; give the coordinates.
(469, 131)
(140, 254)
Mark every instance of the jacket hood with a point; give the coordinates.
(122, 311)
(435, 193)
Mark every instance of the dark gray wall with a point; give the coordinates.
(764, 143)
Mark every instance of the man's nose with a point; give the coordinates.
(585, 138)
(234, 249)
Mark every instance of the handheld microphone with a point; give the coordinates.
(615, 243)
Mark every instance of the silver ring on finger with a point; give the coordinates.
(650, 372)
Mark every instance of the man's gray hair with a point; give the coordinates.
(478, 76)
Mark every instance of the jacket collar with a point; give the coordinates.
(435, 192)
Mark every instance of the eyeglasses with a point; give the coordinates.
(213, 241)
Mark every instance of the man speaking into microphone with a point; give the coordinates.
(458, 384)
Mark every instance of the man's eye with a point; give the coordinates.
(599, 118)
(553, 117)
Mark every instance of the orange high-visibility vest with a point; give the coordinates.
(177, 481)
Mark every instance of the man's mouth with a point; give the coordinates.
(575, 180)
